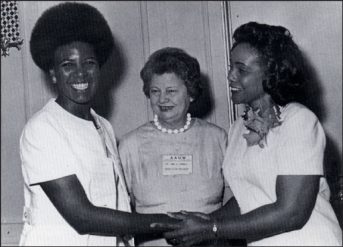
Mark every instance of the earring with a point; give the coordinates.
(54, 80)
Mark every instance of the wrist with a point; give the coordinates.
(215, 229)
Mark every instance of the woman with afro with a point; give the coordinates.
(75, 192)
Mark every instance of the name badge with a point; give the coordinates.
(177, 165)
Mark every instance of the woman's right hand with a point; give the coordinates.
(194, 228)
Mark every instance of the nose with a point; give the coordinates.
(232, 76)
(163, 98)
(79, 73)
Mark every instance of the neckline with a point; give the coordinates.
(191, 126)
(173, 131)
(73, 117)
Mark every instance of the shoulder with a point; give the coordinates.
(210, 127)
(300, 123)
(42, 122)
(132, 135)
(42, 129)
(294, 114)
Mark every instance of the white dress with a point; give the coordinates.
(148, 157)
(294, 148)
(55, 144)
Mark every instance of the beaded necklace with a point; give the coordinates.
(173, 131)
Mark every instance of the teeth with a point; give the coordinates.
(164, 108)
(234, 89)
(80, 86)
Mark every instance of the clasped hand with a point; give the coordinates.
(193, 228)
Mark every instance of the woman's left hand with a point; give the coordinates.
(194, 228)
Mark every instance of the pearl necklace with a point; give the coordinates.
(175, 131)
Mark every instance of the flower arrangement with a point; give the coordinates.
(259, 123)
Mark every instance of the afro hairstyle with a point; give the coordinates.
(65, 23)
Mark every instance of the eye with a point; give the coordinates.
(67, 65)
(90, 63)
(154, 91)
(171, 91)
(241, 70)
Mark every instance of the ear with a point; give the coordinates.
(52, 75)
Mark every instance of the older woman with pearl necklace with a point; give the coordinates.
(173, 162)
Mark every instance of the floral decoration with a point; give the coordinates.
(259, 123)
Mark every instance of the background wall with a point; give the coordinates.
(142, 27)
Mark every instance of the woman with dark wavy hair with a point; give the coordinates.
(274, 160)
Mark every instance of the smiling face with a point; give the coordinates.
(169, 99)
(246, 75)
(76, 73)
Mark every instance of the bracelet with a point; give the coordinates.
(215, 230)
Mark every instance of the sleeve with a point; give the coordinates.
(45, 154)
(227, 192)
(301, 151)
(126, 157)
(225, 140)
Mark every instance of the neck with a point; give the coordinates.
(264, 103)
(173, 125)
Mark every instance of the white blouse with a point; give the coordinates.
(55, 144)
(296, 147)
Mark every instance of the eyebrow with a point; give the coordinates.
(64, 60)
(237, 62)
(72, 58)
(92, 57)
(241, 63)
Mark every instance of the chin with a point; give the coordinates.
(166, 117)
(82, 101)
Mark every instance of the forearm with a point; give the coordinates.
(230, 209)
(262, 222)
(71, 201)
(108, 222)
(296, 197)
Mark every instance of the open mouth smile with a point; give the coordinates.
(235, 89)
(166, 108)
(80, 86)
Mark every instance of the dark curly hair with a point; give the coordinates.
(173, 60)
(285, 71)
(65, 23)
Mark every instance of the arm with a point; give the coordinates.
(70, 199)
(230, 209)
(296, 196)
